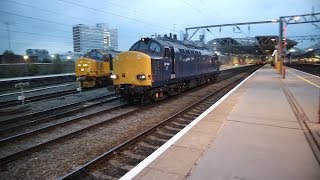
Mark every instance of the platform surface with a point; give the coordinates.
(253, 134)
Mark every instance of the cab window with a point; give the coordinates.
(166, 52)
(154, 47)
(99, 57)
(93, 54)
(144, 46)
(135, 47)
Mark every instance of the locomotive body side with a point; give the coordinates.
(161, 68)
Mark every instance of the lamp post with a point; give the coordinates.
(25, 57)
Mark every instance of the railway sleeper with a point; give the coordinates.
(189, 116)
(147, 145)
(133, 155)
(183, 121)
(120, 165)
(99, 175)
(194, 113)
(162, 135)
(145, 150)
(179, 123)
(111, 171)
(125, 159)
(172, 129)
(158, 139)
(153, 142)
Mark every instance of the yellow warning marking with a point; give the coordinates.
(304, 79)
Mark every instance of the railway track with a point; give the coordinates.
(29, 99)
(49, 114)
(19, 145)
(114, 163)
(309, 68)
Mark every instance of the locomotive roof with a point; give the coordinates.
(177, 45)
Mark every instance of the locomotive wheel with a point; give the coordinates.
(144, 99)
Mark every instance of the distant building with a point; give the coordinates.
(86, 38)
(38, 55)
(70, 56)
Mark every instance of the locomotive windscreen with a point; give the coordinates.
(145, 45)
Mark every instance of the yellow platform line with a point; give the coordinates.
(304, 79)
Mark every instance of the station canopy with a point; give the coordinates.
(259, 45)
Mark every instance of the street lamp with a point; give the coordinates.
(25, 57)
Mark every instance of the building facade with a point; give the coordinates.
(86, 38)
(38, 55)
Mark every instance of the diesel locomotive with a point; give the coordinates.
(155, 68)
(94, 68)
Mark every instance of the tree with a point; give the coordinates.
(46, 60)
(8, 53)
(57, 66)
(10, 57)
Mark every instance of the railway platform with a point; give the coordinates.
(265, 128)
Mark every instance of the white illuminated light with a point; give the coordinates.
(217, 52)
(68, 57)
(79, 64)
(292, 50)
(273, 39)
(85, 64)
(143, 76)
(274, 20)
(81, 69)
(52, 56)
(296, 18)
(25, 57)
(310, 49)
(113, 76)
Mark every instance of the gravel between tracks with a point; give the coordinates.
(58, 159)
(34, 107)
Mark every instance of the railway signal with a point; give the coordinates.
(21, 85)
(79, 82)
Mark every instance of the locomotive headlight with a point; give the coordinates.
(81, 69)
(113, 76)
(85, 64)
(79, 64)
(141, 77)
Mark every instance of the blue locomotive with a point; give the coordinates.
(154, 69)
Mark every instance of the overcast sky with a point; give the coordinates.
(39, 24)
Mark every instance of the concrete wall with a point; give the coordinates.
(16, 70)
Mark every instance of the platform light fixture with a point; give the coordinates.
(296, 18)
(292, 50)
